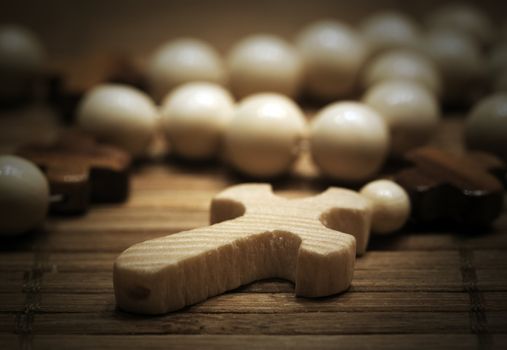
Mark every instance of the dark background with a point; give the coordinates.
(137, 27)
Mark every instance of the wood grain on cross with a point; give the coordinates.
(254, 235)
(80, 170)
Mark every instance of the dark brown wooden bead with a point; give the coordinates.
(81, 171)
(445, 187)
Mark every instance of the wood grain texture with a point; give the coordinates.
(253, 235)
(437, 289)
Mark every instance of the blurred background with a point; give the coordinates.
(138, 27)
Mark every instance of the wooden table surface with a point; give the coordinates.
(412, 290)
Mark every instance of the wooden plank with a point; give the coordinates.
(102, 261)
(364, 280)
(492, 279)
(78, 283)
(268, 342)
(171, 176)
(490, 259)
(114, 241)
(407, 280)
(439, 241)
(227, 323)
(8, 323)
(274, 303)
(170, 199)
(12, 281)
(9, 341)
(15, 261)
(12, 302)
(495, 301)
(376, 260)
(497, 321)
(380, 260)
(106, 236)
(130, 219)
(282, 303)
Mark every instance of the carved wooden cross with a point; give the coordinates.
(254, 235)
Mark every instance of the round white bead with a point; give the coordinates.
(182, 61)
(20, 50)
(391, 30)
(500, 82)
(460, 61)
(333, 54)
(486, 125)
(24, 196)
(263, 138)
(264, 63)
(390, 205)
(195, 116)
(410, 110)
(22, 58)
(403, 64)
(120, 115)
(349, 141)
(497, 60)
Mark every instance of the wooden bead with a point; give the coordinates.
(264, 63)
(390, 205)
(391, 30)
(181, 61)
(349, 141)
(80, 171)
(445, 188)
(410, 111)
(263, 138)
(333, 54)
(24, 196)
(403, 64)
(195, 116)
(464, 18)
(486, 125)
(120, 115)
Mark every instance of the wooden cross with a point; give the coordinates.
(80, 171)
(254, 235)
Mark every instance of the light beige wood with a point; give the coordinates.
(254, 235)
